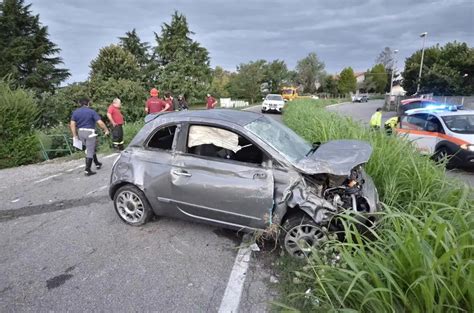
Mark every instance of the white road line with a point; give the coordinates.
(110, 155)
(46, 178)
(75, 168)
(16, 200)
(97, 190)
(233, 292)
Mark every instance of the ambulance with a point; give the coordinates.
(441, 133)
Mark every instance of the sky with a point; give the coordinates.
(341, 32)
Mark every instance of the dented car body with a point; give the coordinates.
(240, 170)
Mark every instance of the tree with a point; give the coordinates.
(330, 85)
(310, 70)
(376, 79)
(114, 62)
(26, 53)
(276, 73)
(446, 71)
(347, 81)
(184, 63)
(220, 83)
(248, 80)
(140, 50)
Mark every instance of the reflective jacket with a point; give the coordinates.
(376, 119)
(392, 122)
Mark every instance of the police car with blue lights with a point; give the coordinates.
(441, 131)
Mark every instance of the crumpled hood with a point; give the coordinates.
(337, 157)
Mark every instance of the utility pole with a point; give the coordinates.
(423, 35)
(394, 66)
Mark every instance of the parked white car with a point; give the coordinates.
(273, 102)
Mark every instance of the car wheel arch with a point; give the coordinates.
(113, 189)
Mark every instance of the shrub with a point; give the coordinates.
(421, 257)
(18, 112)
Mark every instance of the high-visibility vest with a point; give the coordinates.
(376, 119)
(392, 122)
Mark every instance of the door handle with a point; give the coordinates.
(181, 173)
(259, 175)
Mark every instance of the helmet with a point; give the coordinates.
(154, 92)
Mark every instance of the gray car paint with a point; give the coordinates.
(212, 195)
(337, 157)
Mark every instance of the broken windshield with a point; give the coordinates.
(280, 138)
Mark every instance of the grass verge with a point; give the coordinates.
(422, 256)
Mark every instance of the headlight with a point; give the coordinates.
(467, 147)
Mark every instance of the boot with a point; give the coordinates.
(88, 171)
(98, 165)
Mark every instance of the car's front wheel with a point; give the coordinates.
(442, 154)
(132, 206)
(300, 235)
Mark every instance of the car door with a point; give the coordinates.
(413, 126)
(211, 182)
(434, 129)
(156, 158)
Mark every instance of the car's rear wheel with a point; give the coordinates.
(301, 235)
(132, 206)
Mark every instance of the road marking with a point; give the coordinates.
(75, 168)
(16, 200)
(46, 178)
(97, 190)
(110, 155)
(233, 292)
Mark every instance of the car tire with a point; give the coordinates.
(263, 111)
(300, 234)
(441, 154)
(132, 206)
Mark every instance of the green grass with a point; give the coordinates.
(422, 256)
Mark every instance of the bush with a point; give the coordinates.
(18, 112)
(421, 257)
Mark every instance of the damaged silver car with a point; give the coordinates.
(241, 170)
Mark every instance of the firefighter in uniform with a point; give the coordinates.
(116, 119)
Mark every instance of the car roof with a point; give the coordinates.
(239, 117)
(440, 112)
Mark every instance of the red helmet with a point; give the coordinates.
(154, 92)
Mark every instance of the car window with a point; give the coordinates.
(274, 98)
(163, 138)
(433, 124)
(221, 143)
(461, 124)
(414, 122)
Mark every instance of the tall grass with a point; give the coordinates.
(422, 256)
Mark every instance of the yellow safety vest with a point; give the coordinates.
(376, 119)
(392, 122)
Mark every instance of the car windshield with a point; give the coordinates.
(281, 138)
(274, 97)
(461, 124)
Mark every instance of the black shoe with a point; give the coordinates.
(89, 173)
(98, 165)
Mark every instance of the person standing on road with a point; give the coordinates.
(82, 127)
(376, 119)
(155, 104)
(116, 119)
(211, 102)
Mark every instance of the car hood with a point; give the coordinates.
(337, 157)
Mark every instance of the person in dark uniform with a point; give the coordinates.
(82, 126)
(116, 119)
(182, 104)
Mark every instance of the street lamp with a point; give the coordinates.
(423, 35)
(394, 66)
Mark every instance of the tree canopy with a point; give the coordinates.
(114, 62)
(310, 70)
(26, 53)
(376, 79)
(347, 81)
(447, 70)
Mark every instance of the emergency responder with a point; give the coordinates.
(170, 101)
(116, 119)
(155, 104)
(390, 124)
(376, 119)
(182, 104)
(211, 102)
(82, 127)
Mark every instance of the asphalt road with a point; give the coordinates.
(363, 111)
(63, 248)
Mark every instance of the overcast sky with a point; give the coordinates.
(341, 32)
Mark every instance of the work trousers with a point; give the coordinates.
(117, 137)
